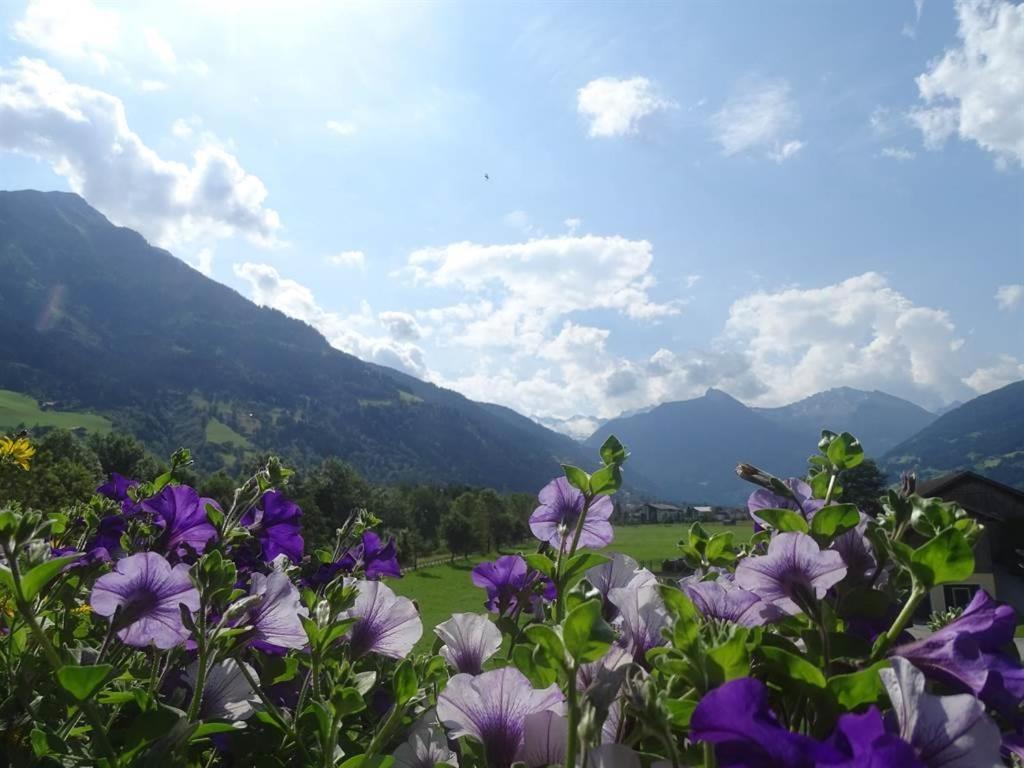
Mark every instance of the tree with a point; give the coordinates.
(457, 525)
(122, 453)
(863, 485)
(64, 471)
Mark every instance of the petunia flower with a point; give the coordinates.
(227, 695)
(510, 584)
(602, 680)
(469, 640)
(492, 708)
(387, 624)
(148, 592)
(735, 717)
(862, 741)
(560, 507)
(276, 617)
(802, 501)
(181, 513)
(945, 731)
(545, 738)
(116, 489)
(426, 746)
(642, 616)
(967, 655)
(793, 574)
(275, 523)
(621, 571)
(727, 602)
(375, 559)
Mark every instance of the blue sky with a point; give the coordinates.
(767, 198)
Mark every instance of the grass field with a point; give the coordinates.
(220, 433)
(17, 409)
(442, 590)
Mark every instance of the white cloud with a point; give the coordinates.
(519, 220)
(1006, 371)
(268, 288)
(760, 117)
(976, 89)
(203, 261)
(72, 29)
(572, 225)
(401, 326)
(162, 50)
(898, 153)
(616, 107)
(353, 259)
(910, 28)
(83, 133)
(860, 332)
(1009, 296)
(183, 129)
(152, 86)
(342, 127)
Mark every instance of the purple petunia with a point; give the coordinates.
(725, 601)
(967, 655)
(386, 624)
(802, 501)
(642, 616)
(148, 591)
(275, 619)
(621, 571)
(426, 746)
(945, 731)
(116, 489)
(511, 586)
(492, 709)
(275, 523)
(560, 507)
(794, 573)
(375, 559)
(181, 513)
(227, 694)
(469, 640)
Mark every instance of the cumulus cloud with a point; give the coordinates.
(83, 133)
(72, 29)
(616, 107)
(976, 89)
(534, 284)
(759, 118)
(860, 332)
(342, 127)
(353, 259)
(1006, 370)
(902, 154)
(268, 288)
(1009, 296)
(401, 326)
(203, 261)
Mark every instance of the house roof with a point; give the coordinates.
(945, 485)
(666, 507)
(936, 485)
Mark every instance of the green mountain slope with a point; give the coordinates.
(97, 319)
(985, 434)
(880, 421)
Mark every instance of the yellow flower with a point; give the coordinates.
(16, 450)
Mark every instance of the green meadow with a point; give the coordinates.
(442, 590)
(17, 409)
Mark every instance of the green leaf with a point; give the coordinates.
(34, 581)
(209, 729)
(857, 688)
(577, 477)
(793, 667)
(349, 700)
(545, 637)
(835, 519)
(579, 563)
(948, 557)
(613, 452)
(783, 520)
(362, 761)
(686, 629)
(585, 633)
(404, 684)
(541, 563)
(729, 660)
(845, 452)
(606, 480)
(6, 579)
(540, 675)
(680, 711)
(718, 544)
(82, 681)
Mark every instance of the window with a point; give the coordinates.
(959, 595)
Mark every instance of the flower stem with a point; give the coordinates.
(574, 716)
(831, 487)
(709, 755)
(883, 642)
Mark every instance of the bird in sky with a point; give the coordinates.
(487, 177)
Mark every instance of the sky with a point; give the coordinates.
(572, 209)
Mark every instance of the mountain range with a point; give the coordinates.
(97, 319)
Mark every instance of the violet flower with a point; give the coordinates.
(275, 523)
(387, 624)
(621, 571)
(945, 731)
(227, 695)
(862, 741)
(181, 513)
(793, 574)
(804, 503)
(469, 640)
(642, 615)
(492, 709)
(559, 510)
(148, 591)
(967, 655)
(116, 489)
(545, 738)
(426, 746)
(510, 584)
(375, 559)
(727, 602)
(276, 617)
